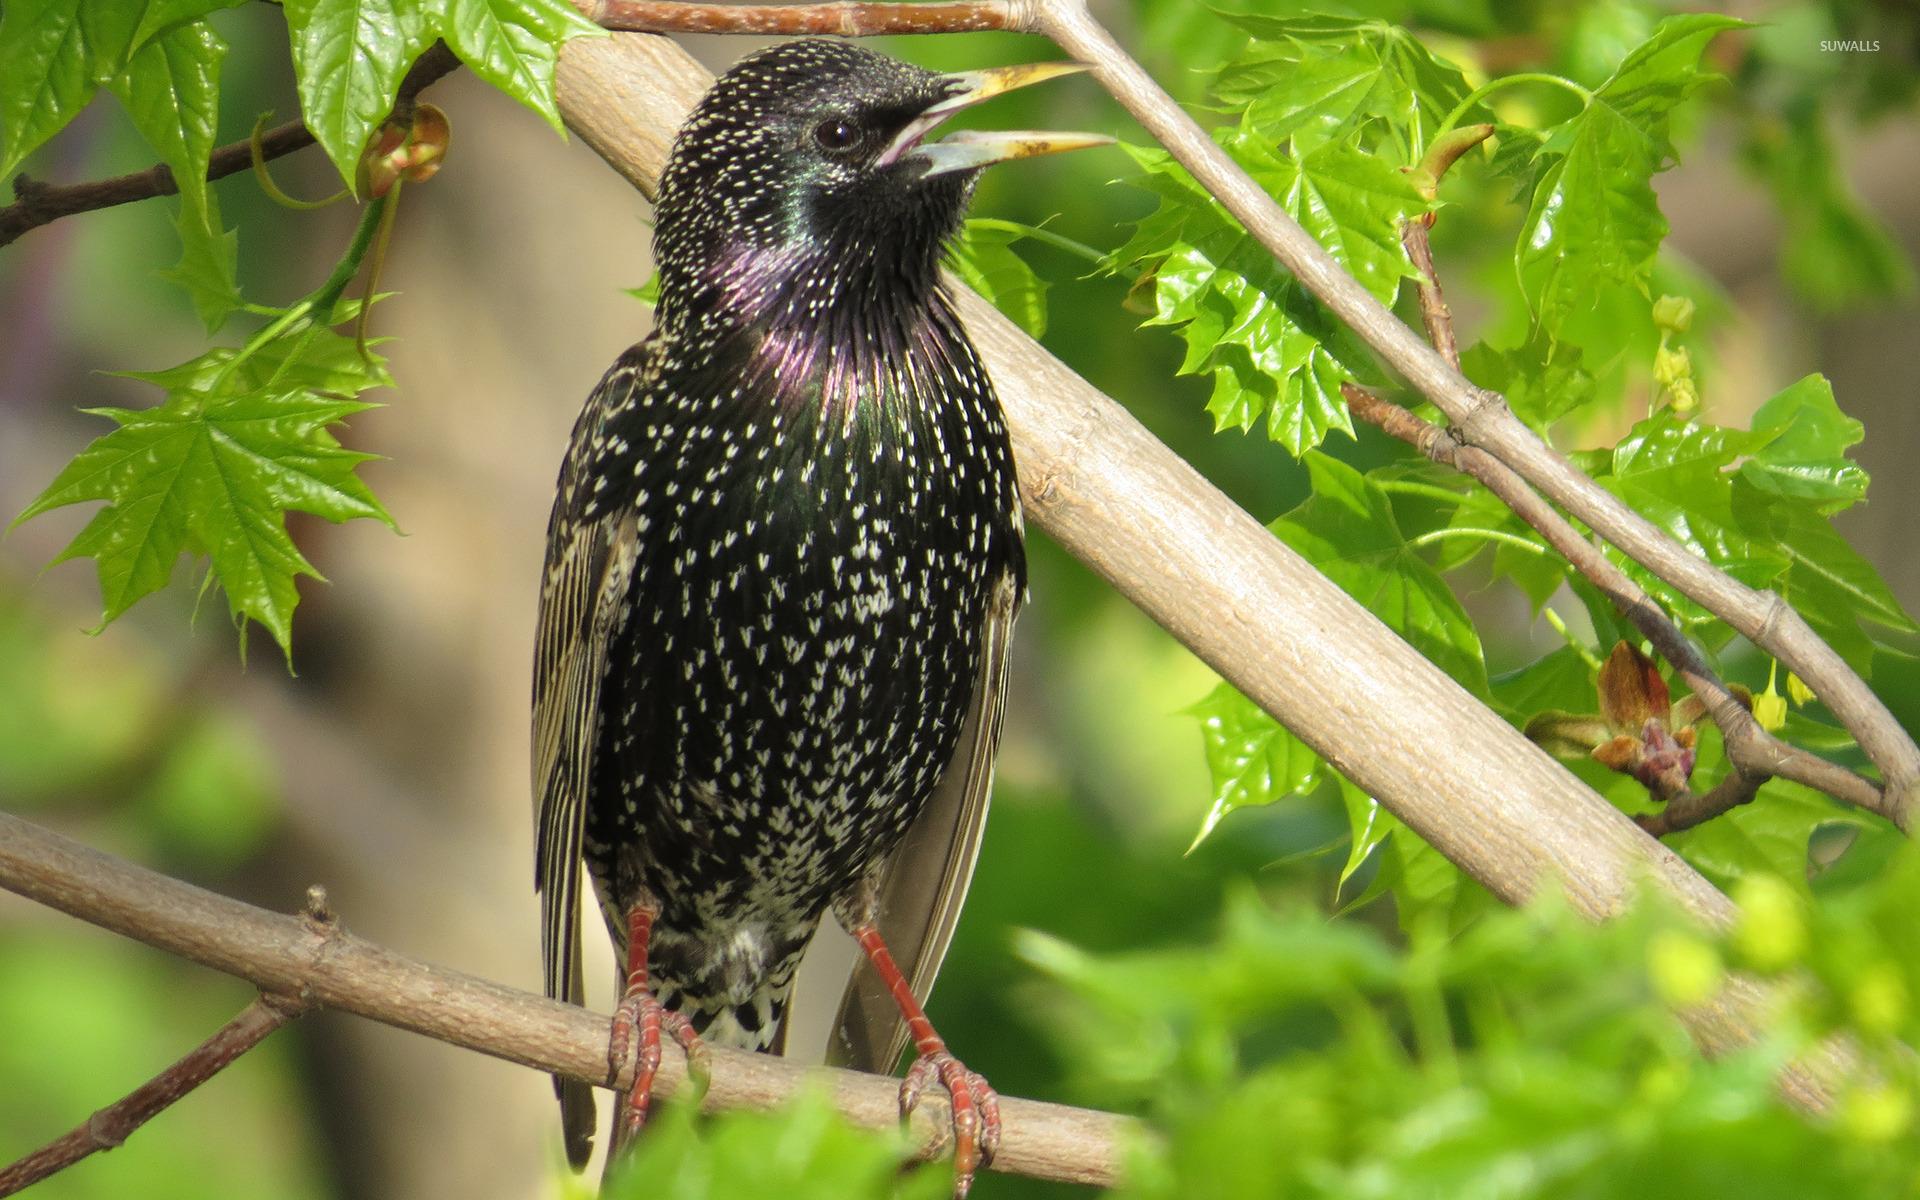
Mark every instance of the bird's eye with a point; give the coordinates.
(835, 135)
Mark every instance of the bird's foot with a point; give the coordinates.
(640, 1017)
(976, 1112)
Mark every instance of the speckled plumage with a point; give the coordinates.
(786, 534)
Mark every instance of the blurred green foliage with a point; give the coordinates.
(88, 1018)
(1534, 1055)
(805, 1151)
(111, 736)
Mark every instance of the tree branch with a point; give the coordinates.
(1689, 808)
(38, 203)
(1755, 753)
(795, 20)
(1434, 313)
(112, 1125)
(323, 964)
(1482, 418)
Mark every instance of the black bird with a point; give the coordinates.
(781, 573)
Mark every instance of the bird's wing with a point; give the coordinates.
(926, 883)
(590, 560)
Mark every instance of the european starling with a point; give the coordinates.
(781, 573)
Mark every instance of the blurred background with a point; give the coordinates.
(390, 762)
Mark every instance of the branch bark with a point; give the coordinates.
(1306, 652)
(323, 964)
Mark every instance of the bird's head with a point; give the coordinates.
(814, 156)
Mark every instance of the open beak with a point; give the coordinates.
(969, 149)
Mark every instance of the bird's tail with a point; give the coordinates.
(578, 1116)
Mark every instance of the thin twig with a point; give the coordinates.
(38, 203)
(1753, 751)
(1434, 313)
(1688, 808)
(1482, 418)
(793, 20)
(323, 964)
(112, 1125)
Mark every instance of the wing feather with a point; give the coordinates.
(925, 885)
(590, 561)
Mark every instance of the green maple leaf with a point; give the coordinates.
(1322, 78)
(350, 56)
(1767, 527)
(513, 44)
(55, 54)
(1806, 457)
(1273, 351)
(171, 89)
(1347, 530)
(1594, 222)
(213, 470)
(1251, 758)
(984, 258)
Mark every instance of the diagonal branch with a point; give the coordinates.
(1755, 753)
(112, 1125)
(323, 964)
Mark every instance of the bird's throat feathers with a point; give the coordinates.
(845, 338)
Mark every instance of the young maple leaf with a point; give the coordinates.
(212, 471)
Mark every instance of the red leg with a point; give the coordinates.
(976, 1110)
(639, 1013)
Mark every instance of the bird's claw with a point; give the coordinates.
(976, 1112)
(640, 1013)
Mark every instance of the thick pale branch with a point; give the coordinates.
(325, 965)
(112, 1125)
(1483, 419)
(1755, 753)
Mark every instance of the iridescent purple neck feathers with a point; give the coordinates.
(810, 329)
